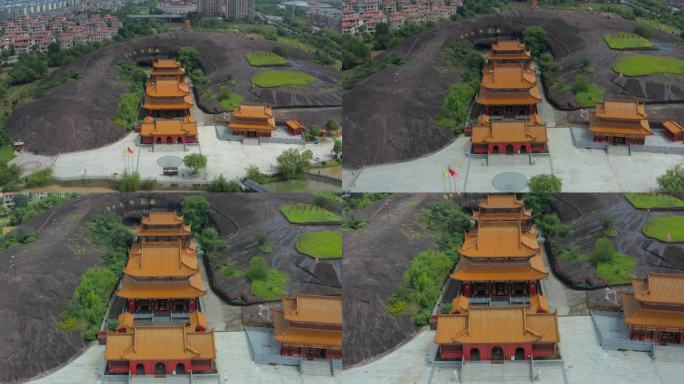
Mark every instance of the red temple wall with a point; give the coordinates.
(452, 351)
(196, 366)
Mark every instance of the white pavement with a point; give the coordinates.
(228, 158)
(405, 365)
(581, 170)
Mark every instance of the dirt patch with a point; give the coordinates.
(77, 115)
(375, 259)
(388, 121)
(650, 255)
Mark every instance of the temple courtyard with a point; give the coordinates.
(227, 158)
(584, 362)
(581, 170)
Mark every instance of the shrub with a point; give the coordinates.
(603, 251)
(220, 184)
(258, 269)
(130, 182)
(39, 178)
(148, 184)
(255, 174)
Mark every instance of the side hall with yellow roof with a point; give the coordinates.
(309, 326)
(655, 311)
(620, 122)
(252, 120)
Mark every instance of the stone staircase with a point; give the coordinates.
(486, 372)
(670, 354)
(618, 150)
(315, 368)
(169, 379)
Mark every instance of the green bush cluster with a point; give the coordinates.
(456, 105)
(25, 210)
(195, 211)
(88, 305)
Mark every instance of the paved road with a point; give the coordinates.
(220, 315)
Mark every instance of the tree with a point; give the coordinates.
(673, 180)
(195, 210)
(547, 63)
(293, 164)
(258, 269)
(381, 29)
(581, 84)
(534, 38)
(337, 149)
(210, 240)
(189, 58)
(642, 31)
(196, 161)
(541, 188)
(332, 125)
(21, 200)
(551, 226)
(603, 251)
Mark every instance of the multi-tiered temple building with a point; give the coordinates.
(499, 311)
(500, 256)
(310, 327)
(168, 100)
(161, 329)
(655, 311)
(508, 96)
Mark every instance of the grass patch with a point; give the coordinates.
(271, 79)
(272, 287)
(653, 23)
(616, 271)
(321, 244)
(626, 41)
(644, 65)
(6, 153)
(659, 227)
(590, 96)
(262, 58)
(305, 213)
(653, 200)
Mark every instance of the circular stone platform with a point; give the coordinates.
(509, 182)
(170, 162)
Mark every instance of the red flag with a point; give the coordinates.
(452, 171)
(130, 151)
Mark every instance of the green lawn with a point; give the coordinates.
(273, 287)
(618, 271)
(271, 79)
(261, 58)
(659, 227)
(6, 153)
(626, 41)
(644, 65)
(323, 244)
(653, 200)
(305, 213)
(590, 97)
(659, 26)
